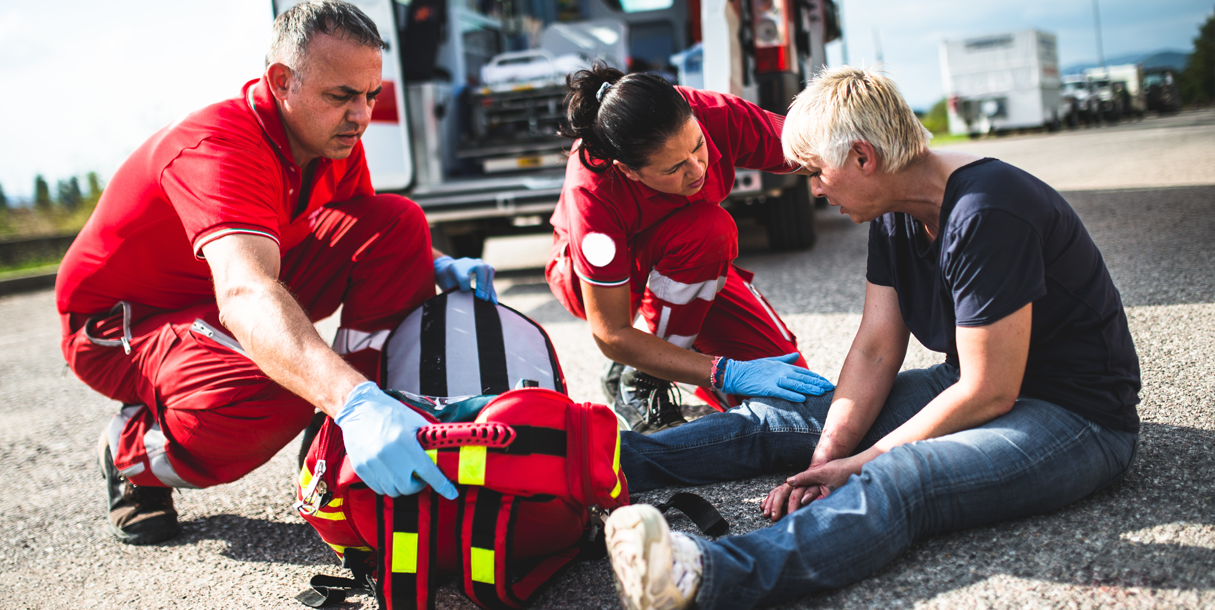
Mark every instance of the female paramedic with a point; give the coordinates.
(640, 235)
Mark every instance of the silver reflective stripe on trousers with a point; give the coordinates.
(154, 444)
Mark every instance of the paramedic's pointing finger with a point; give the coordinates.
(387, 455)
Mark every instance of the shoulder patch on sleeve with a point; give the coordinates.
(599, 249)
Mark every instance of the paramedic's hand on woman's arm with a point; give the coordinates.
(608, 311)
(272, 328)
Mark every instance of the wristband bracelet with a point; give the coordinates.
(718, 372)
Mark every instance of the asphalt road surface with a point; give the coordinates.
(1145, 190)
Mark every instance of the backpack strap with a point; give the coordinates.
(326, 591)
(406, 528)
(699, 510)
(485, 538)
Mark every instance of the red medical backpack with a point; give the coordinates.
(531, 470)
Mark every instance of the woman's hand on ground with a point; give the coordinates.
(815, 483)
(786, 498)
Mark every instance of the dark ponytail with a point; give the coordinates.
(638, 113)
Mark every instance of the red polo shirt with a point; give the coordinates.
(598, 215)
(224, 169)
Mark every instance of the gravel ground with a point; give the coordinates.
(1149, 542)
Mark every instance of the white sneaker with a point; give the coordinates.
(654, 568)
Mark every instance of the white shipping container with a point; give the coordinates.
(1001, 81)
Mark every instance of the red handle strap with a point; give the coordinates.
(489, 434)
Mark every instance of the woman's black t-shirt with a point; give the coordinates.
(1007, 239)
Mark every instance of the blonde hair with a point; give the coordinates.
(845, 105)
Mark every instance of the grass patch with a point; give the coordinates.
(945, 139)
(35, 267)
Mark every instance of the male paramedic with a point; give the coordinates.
(1032, 409)
(191, 293)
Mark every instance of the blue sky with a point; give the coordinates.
(82, 84)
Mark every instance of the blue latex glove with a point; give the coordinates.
(381, 440)
(773, 377)
(452, 273)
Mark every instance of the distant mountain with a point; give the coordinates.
(1152, 59)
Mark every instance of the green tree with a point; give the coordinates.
(42, 194)
(937, 119)
(1197, 81)
(69, 194)
(3, 200)
(94, 186)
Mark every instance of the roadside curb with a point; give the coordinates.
(28, 283)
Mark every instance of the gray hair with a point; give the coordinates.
(845, 105)
(296, 26)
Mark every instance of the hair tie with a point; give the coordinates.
(602, 89)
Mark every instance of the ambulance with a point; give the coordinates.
(473, 94)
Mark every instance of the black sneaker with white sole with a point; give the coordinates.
(645, 403)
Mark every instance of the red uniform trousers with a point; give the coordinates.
(687, 291)
(199, 412)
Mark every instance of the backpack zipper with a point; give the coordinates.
(317, 494)
(588, 489)
(218, 336)
(309, 502)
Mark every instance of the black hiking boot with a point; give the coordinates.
(138, 515)
(647, 404)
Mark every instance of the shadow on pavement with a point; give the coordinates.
(259, 540)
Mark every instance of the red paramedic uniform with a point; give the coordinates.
(676, 253)
(137, 301)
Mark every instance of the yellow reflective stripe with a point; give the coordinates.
(616, 466)
(305, 477)
(338, 516)
(482, 565)
(434, 455)
(342, 549)
(405, 552)
(335, 503)
(472, 465)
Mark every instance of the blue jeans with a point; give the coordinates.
(1034, 459)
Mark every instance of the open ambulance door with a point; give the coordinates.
(386, 141)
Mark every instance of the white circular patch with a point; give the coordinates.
(599, 249)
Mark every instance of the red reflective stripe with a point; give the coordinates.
(385, 109)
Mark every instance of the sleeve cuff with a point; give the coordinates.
(601, 282)
(215, 234)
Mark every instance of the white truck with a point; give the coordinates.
(1001, 82)
(473, 93)
(1120, 90)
